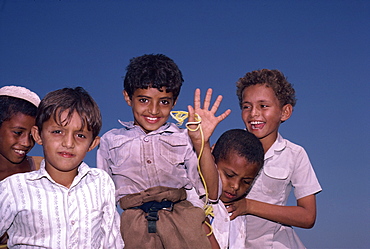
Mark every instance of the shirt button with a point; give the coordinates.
(72, 222)
(146, 139)
(148, 161)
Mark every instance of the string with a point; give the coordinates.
(180, 117)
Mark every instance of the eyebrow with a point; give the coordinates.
(18, 127)
(144, 96)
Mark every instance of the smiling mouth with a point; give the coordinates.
(256, 125)
(20, 152)
(152, 119)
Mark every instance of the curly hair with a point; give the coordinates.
(155, 71)
(275, 79)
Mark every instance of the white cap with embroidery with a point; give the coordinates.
(20, 93)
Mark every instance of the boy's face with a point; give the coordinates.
(15, 137)
(262, 112)
(237, 175)
(64, 146)
(151, 107)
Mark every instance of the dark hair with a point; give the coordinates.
(241, 142)
(10, 106)
(275, 79)
(155, 71)
(70, 99)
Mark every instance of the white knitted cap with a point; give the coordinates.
(20, 93)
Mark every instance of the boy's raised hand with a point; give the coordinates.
(208, 119)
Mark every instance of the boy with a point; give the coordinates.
(18, 107)
(65, 204)
(152, 162)
(267, 100)
(238, 155)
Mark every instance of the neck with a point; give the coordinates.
(8, 168)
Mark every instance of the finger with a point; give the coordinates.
(197, 99)
(207, 99)
(216, 104)
(233, 216)
(224, 115)
(191, 112)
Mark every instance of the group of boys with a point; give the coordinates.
(164, 178)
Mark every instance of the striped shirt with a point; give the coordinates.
(38, 212)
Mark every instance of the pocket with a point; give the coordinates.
(274, 180)
(120, 151)
(173, 150)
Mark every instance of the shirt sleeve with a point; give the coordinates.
(102, 156)
(304, 178)
(191, 163)
(7, 215)
(111, 219)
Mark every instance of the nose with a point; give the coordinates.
(68, 141)
(153, 109)
(235, 185)
(254, 112)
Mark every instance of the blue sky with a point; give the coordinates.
(321, 46)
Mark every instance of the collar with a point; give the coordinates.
(166, 127)
(83, 170)
(278, 145)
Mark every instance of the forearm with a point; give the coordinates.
(303, 216)
(209, 171)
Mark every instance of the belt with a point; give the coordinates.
(152, 208)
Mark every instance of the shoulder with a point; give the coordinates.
(290, 146)
(37, 161)
(176, 131)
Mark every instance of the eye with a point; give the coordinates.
(245, 107)
(18, 133)
(247, 182)
(143, 100)
(264, 106)
(56, 132)
(165, 102)
(81, 135)
(229, 175)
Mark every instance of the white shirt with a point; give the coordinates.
(38, 212)
(286, 165)
(229, 234)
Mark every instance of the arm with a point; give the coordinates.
(207, 126)
(303, 215)
(111, 218)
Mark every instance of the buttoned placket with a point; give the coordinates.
(148, 160)
(72, 213)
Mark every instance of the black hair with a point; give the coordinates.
(71, 100)
(241, 142)
(10, 106)
(155, 71)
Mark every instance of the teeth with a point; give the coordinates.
(152, 119)
(256, 122)
(22, 152)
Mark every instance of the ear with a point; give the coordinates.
(287, 111)
(36, 134)
(94, 143)
(127, 97)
